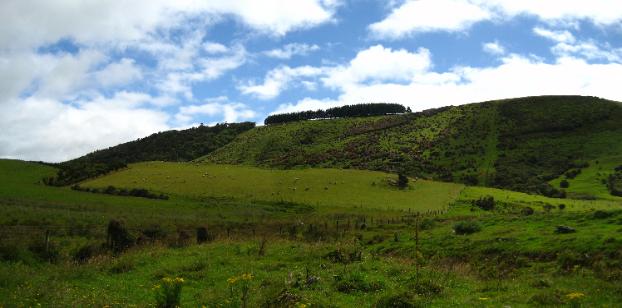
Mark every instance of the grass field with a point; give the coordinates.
(324, 188)
(330, 253)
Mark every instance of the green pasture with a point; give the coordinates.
(324, 188)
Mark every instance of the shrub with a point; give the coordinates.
(154, 233)
(466, 227)
(168, 292)
(485, 203)
(527, 211)
(203, 235)
(564, 230)
(118, 237)
(402, 181)
(602, 214)
(86, 252)
(564, 184)
(356, 282)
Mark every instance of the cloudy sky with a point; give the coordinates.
(76, 76)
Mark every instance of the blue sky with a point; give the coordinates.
(76, 76)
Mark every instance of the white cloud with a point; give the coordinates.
(516, 76)
(378, 63)
(558, 36)
(231, 112)
(429, 15)
(214, 48)
(27, 23)
(374, 64)
(118, 73)
(279, 79)
(190, 68)
(567, 45)
(415, 16)
(493, 48)
(49, 130)
(289, 50)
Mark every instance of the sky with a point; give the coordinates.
(77, 76)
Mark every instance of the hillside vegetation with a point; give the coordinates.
(183, 145)
(518, 144)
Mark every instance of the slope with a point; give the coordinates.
(517, 144)
(183, 145)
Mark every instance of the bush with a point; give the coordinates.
(356, 282)
(118, 237)
(602, 214)
(168, 292)
(86, 252)
(466, 227)
(527, 211)
(485, 203)
(564, 184)
(203, 235)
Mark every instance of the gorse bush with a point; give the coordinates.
(168, 292)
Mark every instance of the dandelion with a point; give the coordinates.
(247, 276)
(575, 295)
(232, 280)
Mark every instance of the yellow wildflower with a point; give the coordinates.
(575, 295)
(167, 279)
(301, 305)
(247, 276)
(179, 280)
(232, 280)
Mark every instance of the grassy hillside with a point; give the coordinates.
(182, 145)
(324, 188)
(519, 144)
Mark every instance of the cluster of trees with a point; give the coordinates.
(182, 145)
(347, 111)
(111, 190)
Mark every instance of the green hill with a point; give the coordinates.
(182, 145)
(518, 144)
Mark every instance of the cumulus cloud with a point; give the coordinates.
(230, 111)
(289, 50)
(415, 16)
(378, 63)
(118, 73)
(493, 48)
(567, 45)
(515, 76)
(50, 130)
(429, 15)
(27, 23)
(279, 79)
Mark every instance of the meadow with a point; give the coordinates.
(300, 251)
(326, 189)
